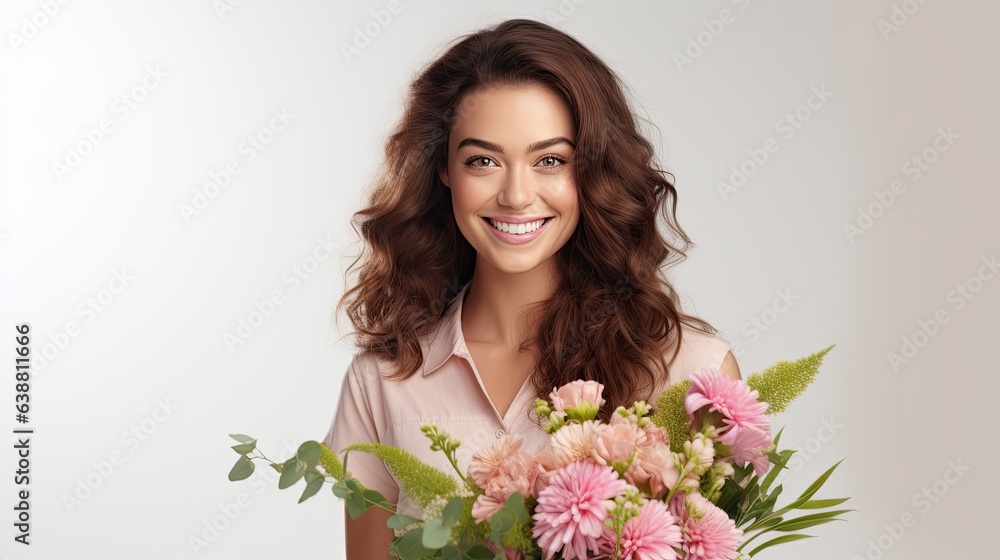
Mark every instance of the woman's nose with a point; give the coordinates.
(517, 191)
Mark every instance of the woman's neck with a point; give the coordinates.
(495, 301)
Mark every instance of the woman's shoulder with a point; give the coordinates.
(698, 349)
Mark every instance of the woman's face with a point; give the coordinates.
(509, 162)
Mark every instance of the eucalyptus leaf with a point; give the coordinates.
(312, 487)
(452, 511)
(242, 469)
(309, 452)
(291, 472)
(243, 438)
(436, 535)
(244, 448)
(399, 521)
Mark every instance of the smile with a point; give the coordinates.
(516, 234)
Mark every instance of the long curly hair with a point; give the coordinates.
(614, 311)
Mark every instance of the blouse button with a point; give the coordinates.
(500, 433)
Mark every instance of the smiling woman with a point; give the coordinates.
(514, 245)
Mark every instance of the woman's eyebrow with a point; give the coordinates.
(534, 147)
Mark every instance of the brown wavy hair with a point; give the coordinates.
(614, 311)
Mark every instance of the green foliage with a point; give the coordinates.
(330, 462)
(419, 480)
(781, 383)
(750, 502)
(670, 414)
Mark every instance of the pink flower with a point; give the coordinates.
(576, 393)
(501, 469)
(570, 443)
(616, 443)
(651, 535)
(569, 517)
(654, 464)
(749, 445)
(708, 533)
(731, 398)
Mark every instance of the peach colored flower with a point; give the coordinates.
(572, 442)
(615, 443)
(654, 465)
(500, 470)
(575, 393)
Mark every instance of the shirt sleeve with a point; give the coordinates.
(359, 419)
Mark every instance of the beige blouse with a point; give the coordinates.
(448, 391)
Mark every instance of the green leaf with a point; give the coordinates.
(410, 545)
(309, 452)
(242, 469)
(807, 521)
(355, 501)
(242, 438)
(779, 540)
(291, 472)
(399, 521)
(479, 552)
(244, 448)
(452, 511)
(314, 482)
(812, 489)
(817, 504)
(373, 497)
(341, 490)
(436, 535)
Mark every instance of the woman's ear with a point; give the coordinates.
(443, 174)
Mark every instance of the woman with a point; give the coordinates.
(513, 247)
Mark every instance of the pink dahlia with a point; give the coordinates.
(501, 469)
(749, 445)
(708, 533)
(569, 517)
(651, 535)
(570, 443)
(713, 392)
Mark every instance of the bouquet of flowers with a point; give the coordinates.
(693, 480)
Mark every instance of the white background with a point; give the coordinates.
(159, 340)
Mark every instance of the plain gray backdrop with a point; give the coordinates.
(171, 170)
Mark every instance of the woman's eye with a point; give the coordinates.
(478, 162)
(550, 162)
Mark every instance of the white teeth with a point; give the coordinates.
(517, 229)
